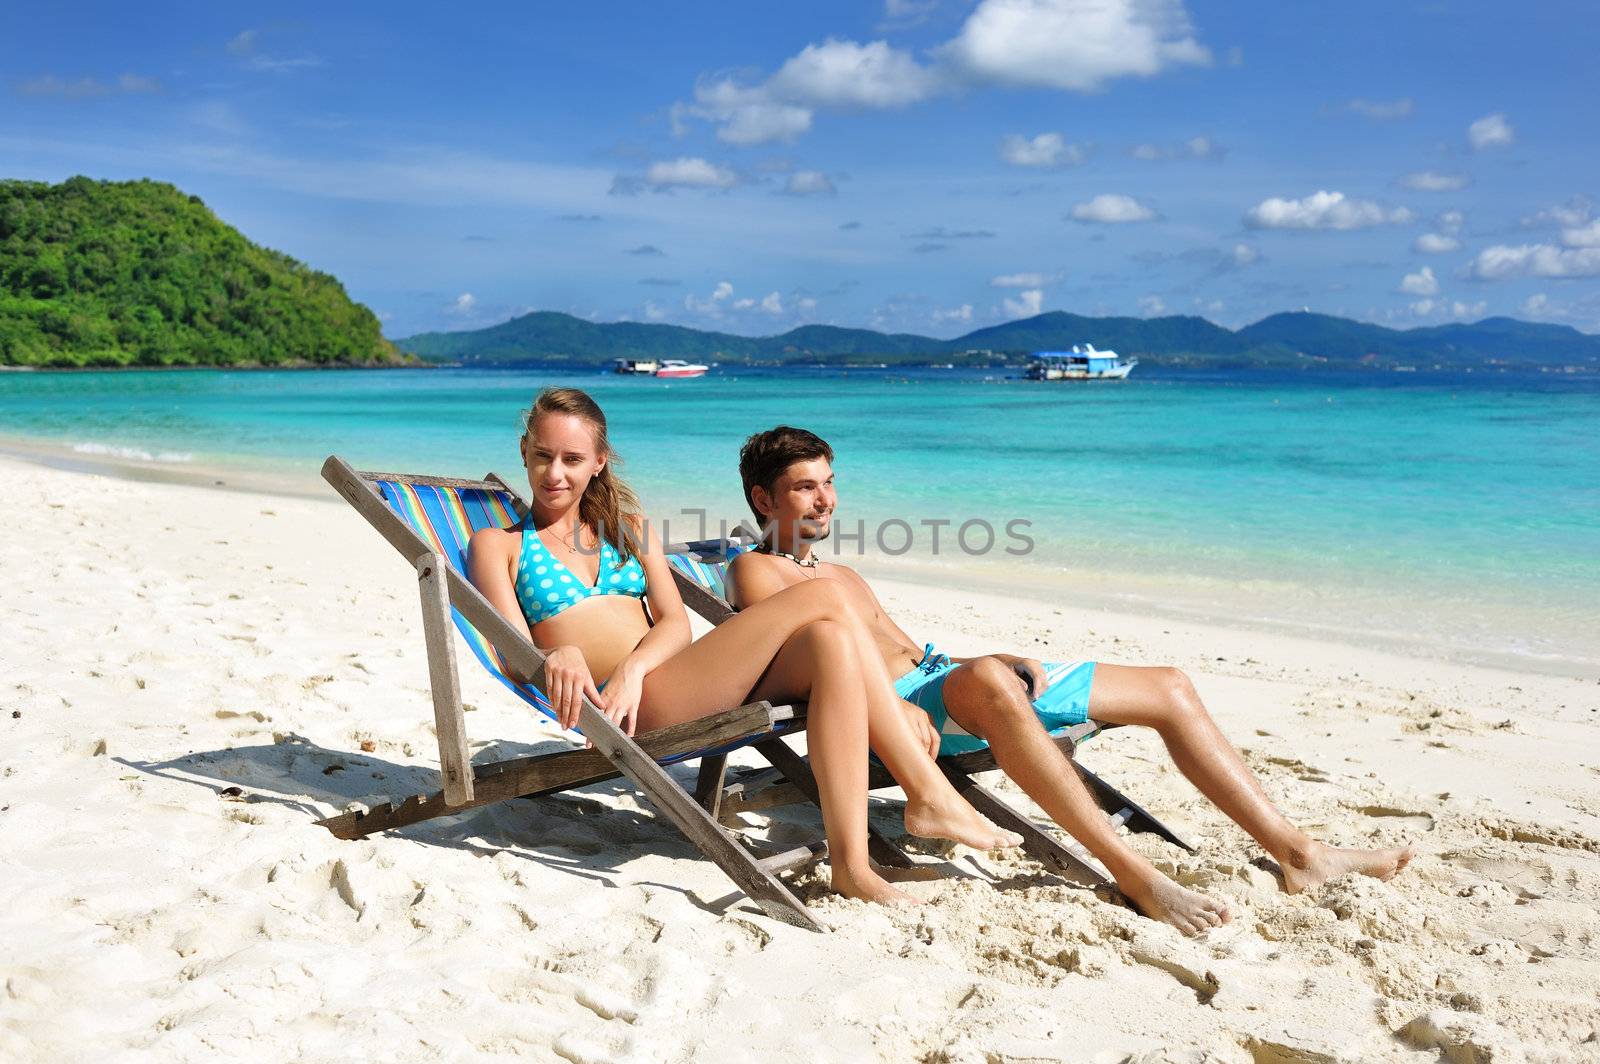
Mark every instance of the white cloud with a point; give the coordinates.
(243, 44)
(809, 183)
(88, 88)
(653, 311)
(1072, 44)
(1569, 215)
(1193, 148)
(1459, 309)
(1451, 221)
(1243, 255)
(1536, 305)
(962, 314)
(712, 305)
(772, 303)
(1538, 260)
(908, 12)
(1382, 110)
(1491, 131)
(1110, 208)
(1045, 151)
(1423, 308)
(464, 305)
(1432, 181)
(689, 172)
(846, 74)
(1323, 210)
(1021, 280)
(1027, 304)
(805, 305)
(1582, 236)
(1061, 44)
(1421, 283)
(1435, 244)
(1152, 306)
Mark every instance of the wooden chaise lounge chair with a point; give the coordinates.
(429, 521)
(700, 569)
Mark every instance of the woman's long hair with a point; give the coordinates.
(608, 505)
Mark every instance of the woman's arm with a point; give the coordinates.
(668, 634)
(491, 566)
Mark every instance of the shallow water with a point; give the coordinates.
(1459, 511)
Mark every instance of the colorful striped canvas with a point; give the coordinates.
(446, 518)
(708, 566)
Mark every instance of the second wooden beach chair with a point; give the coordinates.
(700, 569)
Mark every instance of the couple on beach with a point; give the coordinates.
(581, 572)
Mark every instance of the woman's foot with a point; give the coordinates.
(958, 822)
(1161, 899)
(869, 886)
(1304, 870)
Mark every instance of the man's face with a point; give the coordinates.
(803, 499)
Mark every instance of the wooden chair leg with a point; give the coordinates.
(449, 721)
(1068, 858)
(706, 834)
(1127, 812)
(798, 771)
(708, 788)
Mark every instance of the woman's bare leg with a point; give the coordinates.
(934, 809)
(814, 659)
(721, 668)
(1164, 699)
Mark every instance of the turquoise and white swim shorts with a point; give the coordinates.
(1065, 701)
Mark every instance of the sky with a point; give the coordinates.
(927, 166)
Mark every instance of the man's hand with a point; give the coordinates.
(922, 727)
(1029, 670)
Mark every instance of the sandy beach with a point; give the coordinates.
(190, 677)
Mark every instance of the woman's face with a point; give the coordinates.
(560, 453)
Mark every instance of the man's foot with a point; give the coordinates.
(958, 822)
(869, 886)
(1303, 871)
(1161, 899)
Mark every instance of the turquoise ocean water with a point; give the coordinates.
(1461, 514)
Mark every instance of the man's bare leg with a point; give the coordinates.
(985, 697)
(1164, 699)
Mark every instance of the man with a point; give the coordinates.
(789, 485)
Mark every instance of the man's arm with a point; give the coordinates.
(1029, 670)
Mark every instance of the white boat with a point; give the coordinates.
(643, 366)
(674, 367)
(1079, 364)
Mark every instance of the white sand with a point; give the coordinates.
(159, 643)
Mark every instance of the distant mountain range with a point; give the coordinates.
(1293, 339)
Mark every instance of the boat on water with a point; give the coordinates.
(1080, 364)
(650, 367)
(674, 367)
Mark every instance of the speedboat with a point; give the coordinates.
(674, 367)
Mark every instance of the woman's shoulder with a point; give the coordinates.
(495, 540)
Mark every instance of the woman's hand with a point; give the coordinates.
(922, 727)
(566, 682)
(620, 702)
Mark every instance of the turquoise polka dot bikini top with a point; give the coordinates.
(546, 587)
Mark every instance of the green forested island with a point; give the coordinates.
(136, 273)
(1298, 339)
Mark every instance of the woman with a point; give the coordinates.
(572, 577)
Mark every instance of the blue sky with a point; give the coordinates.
(930, 166)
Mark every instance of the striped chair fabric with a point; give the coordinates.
(447, 518)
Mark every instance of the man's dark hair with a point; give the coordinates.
(765, 456)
